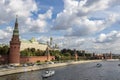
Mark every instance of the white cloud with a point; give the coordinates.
(40, 24)
(24, 9)
(75, 17)
(27, 23)
(102, 37)
(107, 42)
(10, 8)
(108, 38)
(5, 35)
(64, 42)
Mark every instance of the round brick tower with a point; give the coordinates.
(14, 55)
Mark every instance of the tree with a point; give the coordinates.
(32, 52)
(67, 54)
(4, 50)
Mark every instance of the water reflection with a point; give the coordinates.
(12, 77)
(34, 75)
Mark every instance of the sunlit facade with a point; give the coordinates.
(33, 43)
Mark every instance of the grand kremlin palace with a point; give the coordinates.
(33, 43)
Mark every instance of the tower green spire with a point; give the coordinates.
(16, 31)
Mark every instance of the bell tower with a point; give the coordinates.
(14, 55)
(47, 52)
(76, 55)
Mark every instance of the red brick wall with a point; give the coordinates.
(33, 59)
(3, 59)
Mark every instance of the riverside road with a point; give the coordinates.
(87, 71)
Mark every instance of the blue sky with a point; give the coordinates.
(92, 25)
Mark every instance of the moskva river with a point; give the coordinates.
(87, 71)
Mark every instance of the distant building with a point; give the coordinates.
(108, 55)
(102, 56)
(33, 43)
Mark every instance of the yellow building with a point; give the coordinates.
(33, 43)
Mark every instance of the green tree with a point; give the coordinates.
(32, 52)
(4, 50)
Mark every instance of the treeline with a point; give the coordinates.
(32, 52)
(68, 53)
(64, 54)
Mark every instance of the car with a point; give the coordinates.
(24, 65)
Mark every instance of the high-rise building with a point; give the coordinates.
(14, 55)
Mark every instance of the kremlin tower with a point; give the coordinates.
(14, 55)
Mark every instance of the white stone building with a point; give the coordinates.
(33, 43)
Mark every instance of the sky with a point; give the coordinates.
(91, 25)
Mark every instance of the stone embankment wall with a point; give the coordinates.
(32, 68)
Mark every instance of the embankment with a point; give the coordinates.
(32, 68)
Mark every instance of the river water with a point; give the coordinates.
(87, 71)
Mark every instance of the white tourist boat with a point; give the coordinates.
(98, 65)
(48, 73)
(118, 64)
